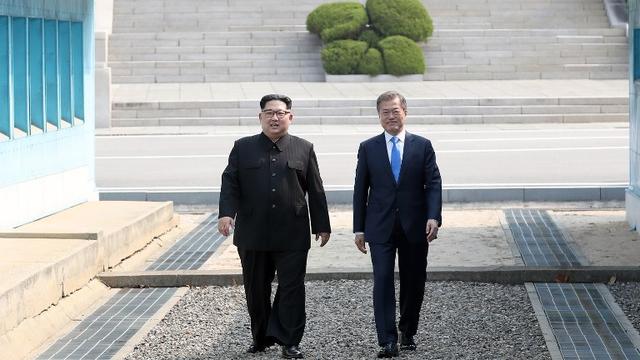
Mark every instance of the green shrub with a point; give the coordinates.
(371, 37)
(402, 56)
(400, 17)
(342, 57)
(371, 63)
(336, 21)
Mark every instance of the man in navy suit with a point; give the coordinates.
(397, 207)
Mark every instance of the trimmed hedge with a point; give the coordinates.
(371, 37)
(402, 56)
(342, 57)
(400, 17)
(371, 63)
(336, 21)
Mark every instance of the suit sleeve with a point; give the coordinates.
(433, 186)
(319, 212)
(230, 189)
(360, 191)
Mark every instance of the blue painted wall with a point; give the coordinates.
(58, 150)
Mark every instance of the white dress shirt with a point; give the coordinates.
(400, 144)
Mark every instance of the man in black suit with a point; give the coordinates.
(397, 206)
(263, 198)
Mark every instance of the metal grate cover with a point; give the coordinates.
(539, 239)
(102, 334)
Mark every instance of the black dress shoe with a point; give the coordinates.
(388, 351)
(257, 347)
(407, 343)
(291, 352)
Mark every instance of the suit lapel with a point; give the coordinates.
(381, 150)
(406, 153)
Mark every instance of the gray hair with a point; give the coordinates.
(390, 95)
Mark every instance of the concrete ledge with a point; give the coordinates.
(44, 261)
(491, 274)
(359, 78)
(32, 235)
(209, 197)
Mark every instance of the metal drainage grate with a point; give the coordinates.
(539, 239)
(102, 334)
(583, 324)
(194, 250)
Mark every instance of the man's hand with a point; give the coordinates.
(324, 236)
(432, 230)
(225, 225)
(360, 243)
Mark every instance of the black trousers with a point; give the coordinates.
(412, 263)
(284, 321)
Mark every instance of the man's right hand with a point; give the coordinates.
(360, 244)
(225, 224)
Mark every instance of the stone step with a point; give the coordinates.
(418, 119)
(160, 41)
(151, 79)
(54, 256)
(328, 111)
(193, 112)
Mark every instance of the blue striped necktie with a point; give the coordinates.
(395, 159)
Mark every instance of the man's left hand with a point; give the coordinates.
(432, 230)
(324, 236)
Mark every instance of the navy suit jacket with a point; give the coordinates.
(377, 199)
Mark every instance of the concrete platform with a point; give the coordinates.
(50, 258)
(474, 245)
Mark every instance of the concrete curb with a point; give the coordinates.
(489, 274)
(345, 196)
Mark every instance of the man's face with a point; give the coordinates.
(275, 119)
(392, 116)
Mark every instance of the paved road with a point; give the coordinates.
(469, 156)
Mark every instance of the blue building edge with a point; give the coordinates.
(48, 170)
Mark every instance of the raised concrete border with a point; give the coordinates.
(617, 13)
(622, 318)
(345, 196)
(488, 274)
(545, 327)
(360, 78)
(103, 240)
(137, 338)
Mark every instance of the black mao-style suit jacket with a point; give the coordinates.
(264, 187)
(377, 199)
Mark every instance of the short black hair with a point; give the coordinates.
(270, 97)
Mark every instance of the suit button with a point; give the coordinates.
(273, 190)
(273, 206)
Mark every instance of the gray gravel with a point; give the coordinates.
(459, 321)
(627, 295)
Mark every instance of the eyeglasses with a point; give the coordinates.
(387, 113)
(280, 114)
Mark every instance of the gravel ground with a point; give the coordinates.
(627, 295)
(459, 321)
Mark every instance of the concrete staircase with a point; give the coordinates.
(211, 43)
(332, 111)
(524, 39)
(221, 41)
